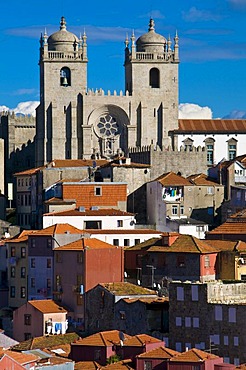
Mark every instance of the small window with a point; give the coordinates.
(122, 315)
(49, 243)
(33, 283)
(27, 319)
(33, 243)
(23, 272)
(119, 223)
(48, 263)
(174, 210)
(116, 242)
(178, 321)
(48, 283)
(12, 252)
(12, 292)
(180, 261)
(136, 241)
(23, 292)
(210, 190)
(23, 252)
(147, 365)
(226, 340)
(98, 191)
(180, 293)
(232, 314)
(195, 322)
(194, 293)
(206, 261)
(154, 78)
(187, 322)
(126, 242)
(182, 210)
(218, 313)
(79, 300)
(12, 272)
(27, 336)
(235, 341)
(33, 263)
(58, 257)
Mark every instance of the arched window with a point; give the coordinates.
(154, 78)
(65, 77)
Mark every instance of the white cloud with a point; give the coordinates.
(27, 108)
(194, 111)
(196, 15)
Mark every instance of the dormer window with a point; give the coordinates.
(65, 77)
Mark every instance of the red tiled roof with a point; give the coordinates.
(86, 365)
(22, 237)
(90, 212)
(120, 365)
(85, 243)
(227, 245)
(211, 125)
(47, 306)
(173, 179)
(146, 300)
(60, 201)
(193, 355)
(159, 353)
(183, 244)
(103, 338)
(140, 340)
(202, 179)
(59, 229)
(229, 228)
(22, 358)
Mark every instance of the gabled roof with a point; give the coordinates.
(125, 288)
(46, 341)
(47, 306)
(85, 243)
(103, 339)
(90, 212)
(211, 125)
(109, 338)
(193, 355)
(22, 237)
(21, 358)
(58, 229)
(228, 245)
(202, 179)
(182, 244)
(172, 179)
(229, 228)
(159, 353)
(120, 365)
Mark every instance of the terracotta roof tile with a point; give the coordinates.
(146, 300)
(59, 229)
(202, 179)
(140, 340)
(172, 179)
(59, 201)
(229, 228)
(86, 365)
(159, 353)
(126, 288)
(227, 245)
(22, 237)
(120, 365)
(89, 212)
(47, 306)
(183, 244)
(193, 355)
(22, 358)
(104, 339)
(211, 125)
(85, 243)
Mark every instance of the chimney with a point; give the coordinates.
(169, 238)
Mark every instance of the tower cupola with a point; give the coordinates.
(63, 40)
(151, 41)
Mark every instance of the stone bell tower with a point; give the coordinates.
(151, 77)
(63, 79)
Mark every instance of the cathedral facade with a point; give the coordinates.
(74, 122)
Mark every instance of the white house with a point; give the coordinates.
(222, 138)
(92, 219)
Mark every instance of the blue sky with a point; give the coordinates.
(212, 45)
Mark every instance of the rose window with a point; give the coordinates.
(107, 126)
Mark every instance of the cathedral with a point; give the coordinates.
(74, 122)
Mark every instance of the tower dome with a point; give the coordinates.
(63, 40)
(151, 41)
